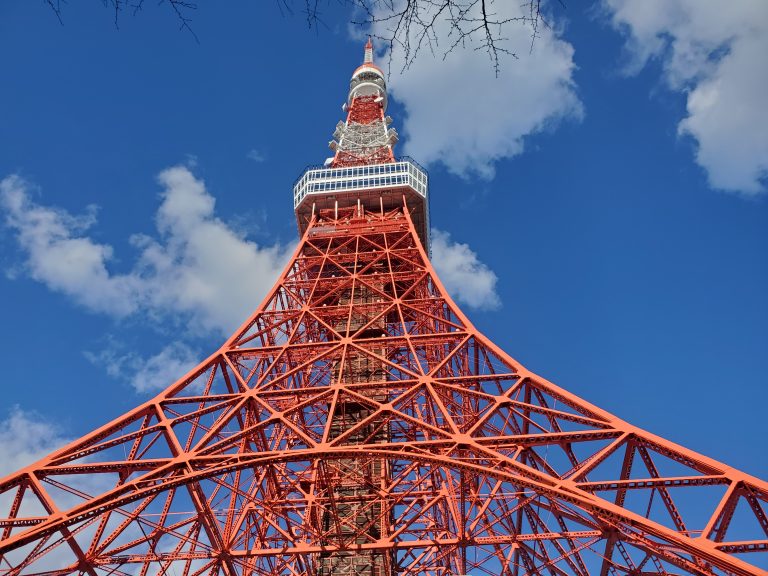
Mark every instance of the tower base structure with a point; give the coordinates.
(359, 424)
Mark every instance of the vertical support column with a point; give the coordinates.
(359, 512)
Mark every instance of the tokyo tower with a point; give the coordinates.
(358, 424)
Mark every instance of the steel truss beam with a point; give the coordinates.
(358, 414)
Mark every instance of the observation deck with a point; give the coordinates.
(376, 187)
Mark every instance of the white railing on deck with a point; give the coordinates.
(404, 172)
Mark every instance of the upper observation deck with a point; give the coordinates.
(374, 187)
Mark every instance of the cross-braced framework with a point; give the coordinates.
(359, 414)
(364, 139)
(359, 425)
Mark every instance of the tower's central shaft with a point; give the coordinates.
(362, 174)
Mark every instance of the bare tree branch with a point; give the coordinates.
(414, 25)
(406, 26)
(181, 10)
(55, 6)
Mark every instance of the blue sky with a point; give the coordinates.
(600, 208)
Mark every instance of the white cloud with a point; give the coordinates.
(196, 268)
(466, 278)
(61, 257)
(714, 52)
(255, 155)
(146, 375)
(201, 267)
(460, 114)
(164, 368)
(25, 438)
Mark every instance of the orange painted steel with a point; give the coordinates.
(483, 467)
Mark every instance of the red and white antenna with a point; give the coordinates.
(365, 137)
(368, 52)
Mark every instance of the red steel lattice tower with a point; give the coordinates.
(358, 424)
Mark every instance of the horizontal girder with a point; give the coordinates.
(358, 416)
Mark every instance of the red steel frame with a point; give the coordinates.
(489, 469)
(365, 110)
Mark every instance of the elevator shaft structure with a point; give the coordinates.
(363, 168)
(359, 424)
